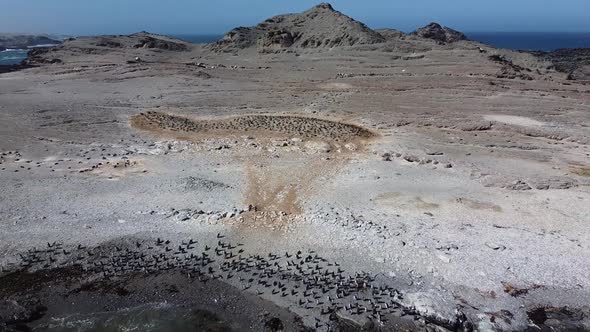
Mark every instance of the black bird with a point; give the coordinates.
(219, 236)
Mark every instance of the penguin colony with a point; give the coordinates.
(304, 278)
(289, 125)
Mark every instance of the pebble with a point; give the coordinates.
(495, 246)
(444, 258)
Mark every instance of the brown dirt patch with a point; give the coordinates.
(581, 170)
(477, 205)
(282, 187)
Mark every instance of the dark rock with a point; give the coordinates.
(274, 325)
(509, 69)
(12, 312)
(11, 68)
(558, 318)
(276, 39)
(439, 33)
(391, 34)
(518, 185)
(25, 41)
(573, 61)
(167, 45)
(411, 158)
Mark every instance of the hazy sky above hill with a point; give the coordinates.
(80, 17)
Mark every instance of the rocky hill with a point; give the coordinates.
(140, 44)
(140, 40)
(573, 61)
(24, 41)
(439, 33)
(318, 27)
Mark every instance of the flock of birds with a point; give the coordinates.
(76, 158)
(304, 278)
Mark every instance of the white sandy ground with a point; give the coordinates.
(456, 231)
(514, 120)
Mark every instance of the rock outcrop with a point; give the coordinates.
(439, 33)
(318, 27)
(141, 43)
(573, 61)
(391, 34)
(24, 41)
(511, 70)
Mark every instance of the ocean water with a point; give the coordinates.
(533, 41)
(12, 57)
(197, 39)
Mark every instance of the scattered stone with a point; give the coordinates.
(317, 147)
(518, 185)
(411, 158)
(556, 183)
(495, 246)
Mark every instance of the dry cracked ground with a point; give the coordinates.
(425, 187)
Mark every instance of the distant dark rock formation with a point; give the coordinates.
(573, 61)
(40, 56)
(510, 70)
(318, 27)
(158, 42)
(391, 34)
(24, 41)
(439, 33)
(138, 40)
(105, 44)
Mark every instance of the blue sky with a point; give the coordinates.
(83, 17)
